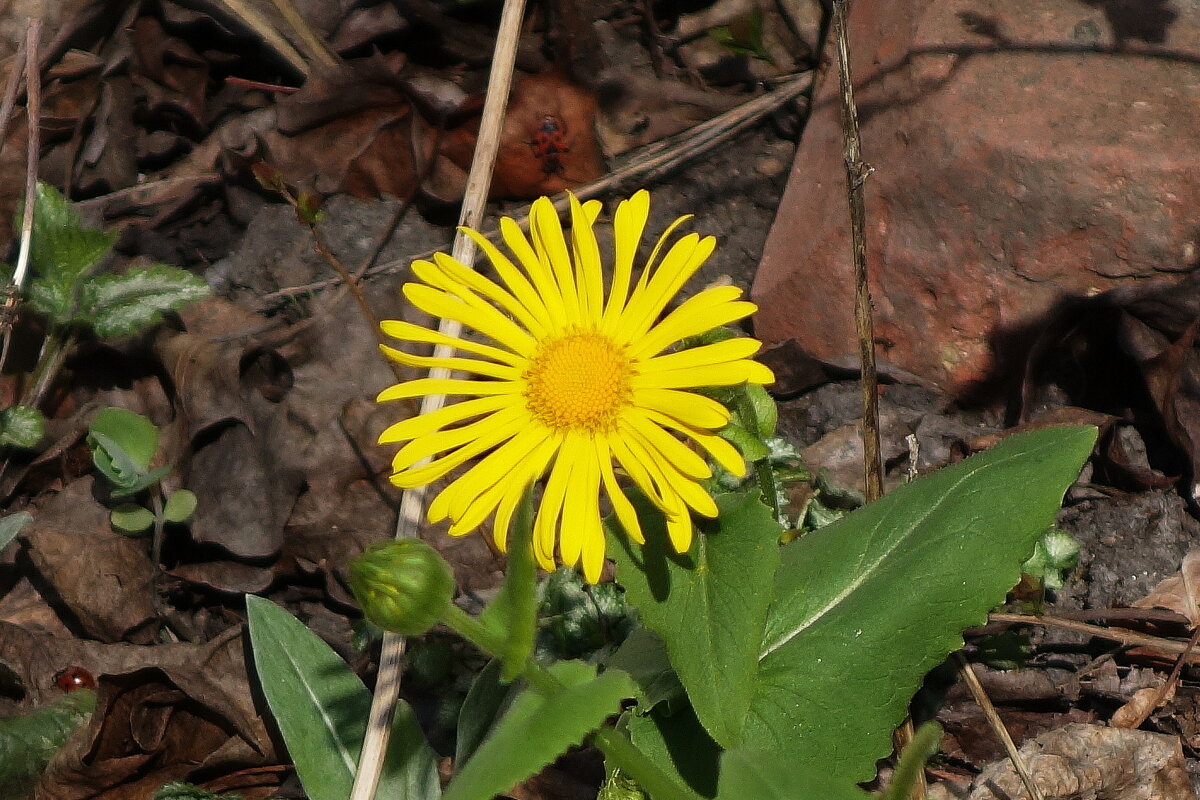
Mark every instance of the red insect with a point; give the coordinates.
(549, 143)
(74, 678)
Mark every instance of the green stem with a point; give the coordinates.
(762, 467)
(617, 750)
(54, 353)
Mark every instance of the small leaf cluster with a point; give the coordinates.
(123, 446)
(67, 290)
(181, 790)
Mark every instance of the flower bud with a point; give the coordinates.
(403, 586)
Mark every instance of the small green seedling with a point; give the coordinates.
(123, 445)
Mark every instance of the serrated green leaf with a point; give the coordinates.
(29, 740)
(60, 248)
(867, 605)
(21, 426)
(536, 729)
(50, 299)
(122, 305)
(135, 435)
(180, 506)
(321, 708)
(131, 518)
(11, 525)
(709, 605)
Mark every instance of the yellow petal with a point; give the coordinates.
(628, 225)
(679, 531)
(706, 355)
(663, 446)
(428, 473)
(449, 386)
(670, 481)
(551, 247)
(453, 501)
(684, 258)
(588, 273)
(539, 273)
(686, 321)
(727, 374)
(624, 510)
(406, 331)
(593, 546)
(489, 369)
(487, 288)
(691, 409)
(500, 425)
(423, 424)
(517, 283)
(721, 451)
(486, 319)
(545, 526)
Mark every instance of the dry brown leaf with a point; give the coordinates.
(1179, 593)
(1141, 706)
(101, 577)
(1092, 762)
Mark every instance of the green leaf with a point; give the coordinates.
(520, 585)
(321, 708)
(486, 700)
(51, 299)
(709, 605)
(643, 656)
(866, 606)
(29, 740)
(748, 774)
(766, 412)
(135, 435)
(750, 445)
(180, 790)
(122, 305)
(61, 249)
(536, 729)
(180, 506)
(11, 525)
(21, 427)
(131, 518)
(677, 742)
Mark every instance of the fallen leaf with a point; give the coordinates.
(1179, 593)
(1080, 762)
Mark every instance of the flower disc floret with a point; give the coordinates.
(573, 379)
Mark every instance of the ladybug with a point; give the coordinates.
(74, 678)
(549, 143)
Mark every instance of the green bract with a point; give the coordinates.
(403, 586)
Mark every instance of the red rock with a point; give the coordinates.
(1023, 150)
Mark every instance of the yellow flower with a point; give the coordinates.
(572, 381)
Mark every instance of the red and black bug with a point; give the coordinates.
(74, 678)
(549, 143)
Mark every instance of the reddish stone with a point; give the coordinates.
(1023, 150)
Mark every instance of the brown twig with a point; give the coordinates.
(989, 712)
(33, 103)
(1125, 637)
(856, 175)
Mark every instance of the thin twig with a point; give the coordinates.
(314, 46)
(387, 688)
(856, 174)
(647, 164)
(33, 104)
(266, 31)
(989, 712)
(1125, 637)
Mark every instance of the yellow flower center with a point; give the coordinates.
(580, 380)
